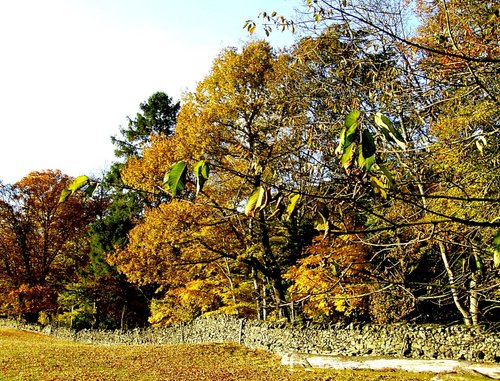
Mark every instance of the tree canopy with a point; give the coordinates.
(353, 176)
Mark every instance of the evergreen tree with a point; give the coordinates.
(113, 301)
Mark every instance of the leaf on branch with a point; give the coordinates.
(263, 199)
(389, 130)
(77, 184)
(348, 157)
(64, 195)
(175, 179)
(292, 203)
(257, 201)
(496, 250)
(250, 26)
(346, 148)
(351, 120)
(348, 132)
(201, 171)
(388, 175)
(366, 157)
(378, 187)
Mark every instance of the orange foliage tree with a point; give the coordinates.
(43, 242)
(190, 253)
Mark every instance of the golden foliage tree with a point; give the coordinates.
(332, 282)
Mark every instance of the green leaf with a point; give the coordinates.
(346, 148)
(351, 120)
(340, 148)
(496, 250)
(201, 171)
(175, 178)
(292, 203)
(89, 191)
(251, 202)
(256, 202)
(78, 183)
(64, 195)
(348, 132)
(389, 131)
(262, 200)
(366, 157)
(496, 240)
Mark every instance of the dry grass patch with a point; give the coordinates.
(32, 356)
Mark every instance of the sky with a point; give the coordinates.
(71, 71)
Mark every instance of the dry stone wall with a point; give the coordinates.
(411, 341)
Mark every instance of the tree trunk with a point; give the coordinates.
(227, 273)
(274, 270)
(264, 303)
(257, 294)
(451, 279)
(280, 299)
(474, 301)
(122, 320)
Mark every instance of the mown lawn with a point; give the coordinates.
(32, 356)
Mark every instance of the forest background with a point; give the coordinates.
(353, 176)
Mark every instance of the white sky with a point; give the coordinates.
(71, 71)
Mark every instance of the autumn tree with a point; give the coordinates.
(355, 150)
(460, 65)
(352, 176)
(332, 282)
(117, 302)
(270, 133)
(442, 113)
(43, 242)
(240, 122)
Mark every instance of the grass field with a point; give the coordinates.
(31, 356)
